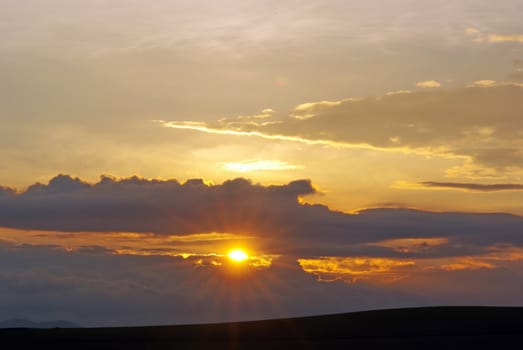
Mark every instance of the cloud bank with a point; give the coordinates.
(93, 287)
(273, 216)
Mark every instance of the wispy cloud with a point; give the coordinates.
(472, 186)
(479, 37)
(222, 130)
(504, 38)
(484, 83)
(444, 123)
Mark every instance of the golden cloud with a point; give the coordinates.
(428, 84)
(500, 38)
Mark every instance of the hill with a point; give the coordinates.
(21, 323)
(421, 328)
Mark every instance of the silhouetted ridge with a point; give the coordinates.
(427, 328)
(22, 323)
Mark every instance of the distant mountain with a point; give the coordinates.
(21, 323)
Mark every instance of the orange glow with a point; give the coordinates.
(357, 268)
(260, 166)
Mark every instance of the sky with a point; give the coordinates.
(363, 154)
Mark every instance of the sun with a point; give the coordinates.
(238, 255)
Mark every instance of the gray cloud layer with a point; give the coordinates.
(271, 214)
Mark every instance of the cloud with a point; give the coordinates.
(479, 37)
(428, 84)
(273, 219)
(484, 83)
(357, 268)
(473, 186)
(141, 205)
(311, 109)
(398, 92)
(435, 122)
(504, 38)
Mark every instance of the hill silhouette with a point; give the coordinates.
(22, 323)
(421, 328)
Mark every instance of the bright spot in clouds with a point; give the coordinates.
(238, 255)
(260, 165)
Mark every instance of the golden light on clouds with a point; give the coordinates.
(438, 151)
(357, 268)
(484, 83)
(428, 84)
(260, 165)
(499, 38)
(203, 127)
(201, 249)
(129, 243)
(479, 37)
(384, 270)
(467, 264)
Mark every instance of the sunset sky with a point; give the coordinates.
(362, 154)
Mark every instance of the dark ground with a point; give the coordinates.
(419, 328)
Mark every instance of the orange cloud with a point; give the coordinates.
(260, 165)
(357, 268)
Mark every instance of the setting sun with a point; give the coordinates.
(238, 255)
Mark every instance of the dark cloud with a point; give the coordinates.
(272, 215)
(473, 186)
(140, 205)
(59, 184)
